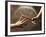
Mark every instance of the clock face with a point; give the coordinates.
(30, 11)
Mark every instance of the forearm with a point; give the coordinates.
(12, 25)
(39, 13)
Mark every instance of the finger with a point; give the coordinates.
(33, 22)
(20, 18)
(25, 21)
(33, 19)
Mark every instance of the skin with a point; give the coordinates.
(18, 23)
(40, 12)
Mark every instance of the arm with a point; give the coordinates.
(38, 14)
(18, 23)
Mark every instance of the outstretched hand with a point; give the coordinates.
(18, 23)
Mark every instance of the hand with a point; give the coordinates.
(34, 18)
(18, 23)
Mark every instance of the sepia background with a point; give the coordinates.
(27, 26)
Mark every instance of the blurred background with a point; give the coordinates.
(27, 26)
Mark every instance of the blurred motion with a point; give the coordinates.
(21, 18)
